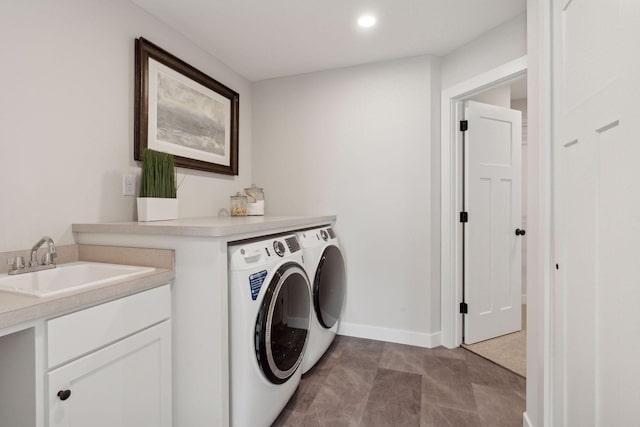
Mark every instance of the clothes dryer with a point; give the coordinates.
(325, 267)
(270, 314)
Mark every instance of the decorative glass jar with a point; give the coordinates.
(255, 198)
(239, 205)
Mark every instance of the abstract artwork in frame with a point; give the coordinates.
(181, 111)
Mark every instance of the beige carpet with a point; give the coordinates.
(509, 351)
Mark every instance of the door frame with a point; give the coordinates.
(450, 195)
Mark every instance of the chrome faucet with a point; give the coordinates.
(17, 263)
(47, 258)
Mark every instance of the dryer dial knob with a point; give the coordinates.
(278, 248)
(324, 235)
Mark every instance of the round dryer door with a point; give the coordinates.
(282, 327)
(329, 286)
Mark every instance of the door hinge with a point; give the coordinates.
(464, 217)
(464, 125)
(464, 309)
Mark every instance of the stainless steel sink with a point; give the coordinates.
(69, 278)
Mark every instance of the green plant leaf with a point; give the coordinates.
(158, 175)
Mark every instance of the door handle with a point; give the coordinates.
(520, 232)
(64, 394)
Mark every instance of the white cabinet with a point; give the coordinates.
(121, 379)
(200, 298)
(125, 384)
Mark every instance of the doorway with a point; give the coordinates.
(494, 238)
(451, 191)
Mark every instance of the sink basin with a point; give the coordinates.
(68, 278)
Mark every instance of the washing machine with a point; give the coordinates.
(270, 314)
(324, 265)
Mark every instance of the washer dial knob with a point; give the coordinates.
(278, 248)
(324, 235)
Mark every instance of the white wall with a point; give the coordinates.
(357, 142)
(494, 48)
(500, 96)
(66, 117)
(319, 148)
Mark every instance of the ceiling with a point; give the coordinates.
(262, 39)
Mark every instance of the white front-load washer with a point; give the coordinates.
(325, 267)
(270, 314)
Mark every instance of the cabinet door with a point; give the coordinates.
(127, 384)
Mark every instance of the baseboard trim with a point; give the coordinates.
(526, 422)
(398, 336)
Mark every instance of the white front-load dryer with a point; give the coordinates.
(325, 267)
(270, 313)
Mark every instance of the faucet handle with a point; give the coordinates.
(47, 258)
(17, 263)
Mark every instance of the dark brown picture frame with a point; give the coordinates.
(144, 50)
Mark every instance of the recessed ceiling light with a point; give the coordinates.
(367, 21)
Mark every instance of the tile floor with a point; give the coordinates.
(366, 383)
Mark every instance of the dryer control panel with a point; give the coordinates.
(316, 237)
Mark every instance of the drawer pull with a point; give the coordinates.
(64, 394)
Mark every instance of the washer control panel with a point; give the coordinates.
(279, 248)
(293, 244)
(255, 253)
(324, 235)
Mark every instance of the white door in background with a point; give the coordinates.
(493, 201)
(596, 151)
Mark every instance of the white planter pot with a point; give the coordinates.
(157, 209)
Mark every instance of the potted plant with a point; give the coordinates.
(157, 201)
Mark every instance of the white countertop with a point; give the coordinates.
(219, 226)
(16, 308)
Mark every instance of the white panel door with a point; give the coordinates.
(596, 149)
(493, 200)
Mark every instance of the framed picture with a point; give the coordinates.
(182, 111)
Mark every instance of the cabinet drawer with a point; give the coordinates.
(78, 333)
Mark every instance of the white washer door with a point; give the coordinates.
(282, 326)
(329, 286)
